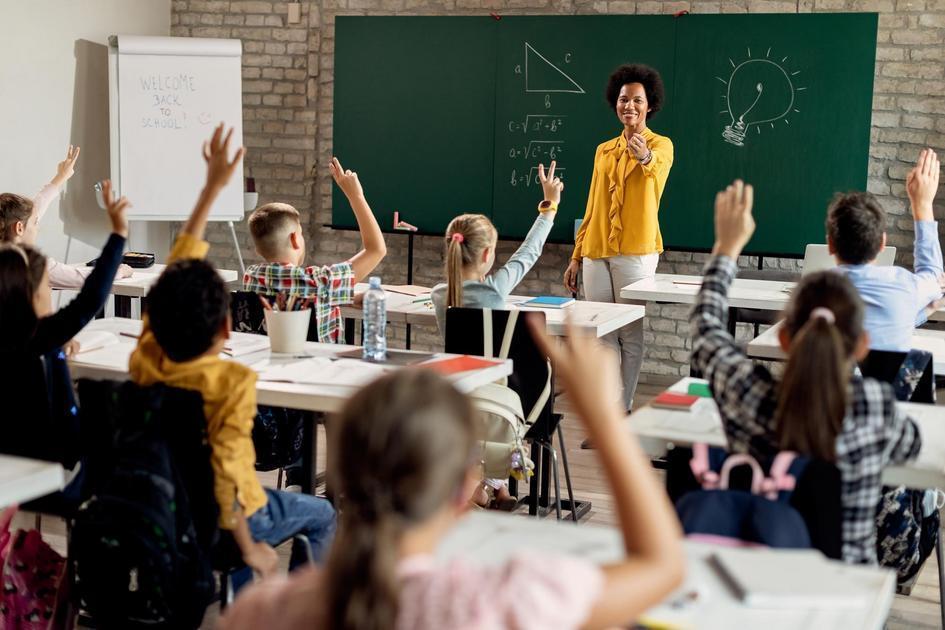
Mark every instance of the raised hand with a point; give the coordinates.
(637, 146)
(116, 209)
(551, 186)
(66, 168)
(215, 153)
(734, 224)
(347, 180)
(922, 184)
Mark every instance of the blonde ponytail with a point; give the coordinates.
(467, 237)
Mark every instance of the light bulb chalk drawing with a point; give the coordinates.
(758, 91)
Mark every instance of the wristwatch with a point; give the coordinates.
(547, 206)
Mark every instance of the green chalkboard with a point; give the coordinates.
(448, 115)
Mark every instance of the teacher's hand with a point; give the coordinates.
(571, 275)
(637, 146)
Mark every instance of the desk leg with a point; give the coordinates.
(407, 343)
(122, 306)
(349, 330)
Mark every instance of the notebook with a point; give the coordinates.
(801, 578)
(674, 400)
(455, 365)
(549, 301)
(90, 340)
(323, 371)
(407, 289)
(240, 344)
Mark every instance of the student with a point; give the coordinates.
(277, 234)
(470, 253)
(895, 298)
(39, 407)
(819, 408)
(19, 223)
(186, 325)
(406, 461)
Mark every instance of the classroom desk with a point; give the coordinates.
(766, 346)
(24, 479)
(660, 429)
(766, 295)
(491, 538)
(594, 318)
(138, 285)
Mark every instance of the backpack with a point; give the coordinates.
(760, 514)
(138, 557)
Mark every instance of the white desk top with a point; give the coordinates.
(141, 280)
(597, 318)
(770, 295)
(766, 346)
(112, 363)
(658, 428)
(23, 479)
(492, 538)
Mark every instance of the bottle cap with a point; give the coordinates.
(374, 282)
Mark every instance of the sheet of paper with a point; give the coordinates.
(323, 371)
(95, 339)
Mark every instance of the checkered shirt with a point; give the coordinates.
(331, 287)
(874, 434)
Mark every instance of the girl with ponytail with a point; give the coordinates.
(405, 460)
(820, 407)
(469, 249)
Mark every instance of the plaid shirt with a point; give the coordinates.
(874, 434)
(331, 287)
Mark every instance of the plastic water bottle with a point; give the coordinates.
(375, 322)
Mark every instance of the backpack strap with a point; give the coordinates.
(779, 477)
(507, 335)
(740, 459)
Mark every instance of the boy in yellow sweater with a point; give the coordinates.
(185, 328)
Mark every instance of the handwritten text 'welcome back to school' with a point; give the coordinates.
(167, 97)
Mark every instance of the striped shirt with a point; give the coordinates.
(875, 433)
(330, 286)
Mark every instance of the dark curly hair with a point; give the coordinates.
(637, 73)
(186, 307)
(856, 224)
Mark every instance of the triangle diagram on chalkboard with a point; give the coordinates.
(543, 76)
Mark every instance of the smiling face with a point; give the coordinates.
(632, 107)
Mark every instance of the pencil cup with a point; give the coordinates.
(250, 199)
(287, 329)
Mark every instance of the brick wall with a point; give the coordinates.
(287, 123)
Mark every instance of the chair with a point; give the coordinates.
(912, 374)
(504, 332)
(248, 316)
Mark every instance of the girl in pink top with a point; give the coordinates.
(406, 461)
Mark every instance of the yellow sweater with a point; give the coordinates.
(229, 404)
(624, 200)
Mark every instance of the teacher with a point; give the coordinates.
(619, 241)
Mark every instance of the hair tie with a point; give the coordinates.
(822, 312)
(459, 238)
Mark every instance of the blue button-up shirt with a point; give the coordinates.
(895, 298)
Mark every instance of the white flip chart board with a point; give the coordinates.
(166, 96)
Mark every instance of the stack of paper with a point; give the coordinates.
(323, 371)
(240, 344)
(95, 340)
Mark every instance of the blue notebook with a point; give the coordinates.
(549, 301)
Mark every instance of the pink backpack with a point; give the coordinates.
(35, 588)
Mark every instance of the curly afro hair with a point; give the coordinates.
(637, 73)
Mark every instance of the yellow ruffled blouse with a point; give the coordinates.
(624, 200)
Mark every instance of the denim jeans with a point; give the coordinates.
(285, 515)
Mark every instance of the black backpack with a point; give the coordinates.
(140, 554)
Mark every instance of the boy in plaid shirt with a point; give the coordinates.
(277, 234)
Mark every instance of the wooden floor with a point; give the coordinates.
(920, 610)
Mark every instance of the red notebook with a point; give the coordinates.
(455, 365)
(674, 400)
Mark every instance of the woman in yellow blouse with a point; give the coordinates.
(619, 241)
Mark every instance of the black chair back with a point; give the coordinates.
(464, 335)
(248, 315)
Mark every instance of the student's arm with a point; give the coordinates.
(921, 186)
(574, 265)
(373, 248)
(219, 171)
(731, 375)
(64, 171)
(61, 326)
(259, 556)
(507, 277)
(655, 563)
